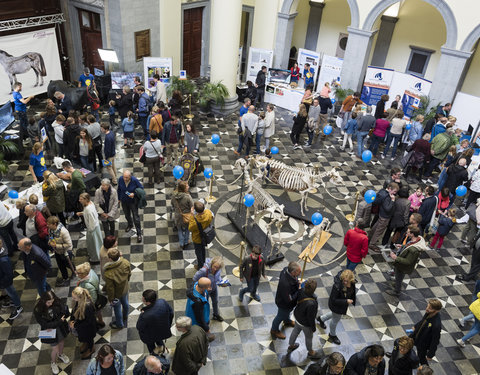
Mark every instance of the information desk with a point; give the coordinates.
(284, 96)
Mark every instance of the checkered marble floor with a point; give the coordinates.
(243, 343)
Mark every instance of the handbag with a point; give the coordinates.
(406, 159)
(101, 302)
(185, 216)
(208, 234)
(370, 132)
(475, 307)
(434, 225)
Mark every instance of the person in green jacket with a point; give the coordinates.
(440, 146)
(53, 191)
(406, 258)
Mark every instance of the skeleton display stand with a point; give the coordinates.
(320, 235)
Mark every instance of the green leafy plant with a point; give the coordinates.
(7, 150)
(185, 86)
(341, 93)
(425, 108)
(212, 93)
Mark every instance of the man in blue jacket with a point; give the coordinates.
(155, 320)
(6, 282)
(142, 110)
(127, 184)
(36, 263)
(198, 308)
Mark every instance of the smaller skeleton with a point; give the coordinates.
(316, 232)
(263, 201)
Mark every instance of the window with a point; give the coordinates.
(418, 61)
(142, 44)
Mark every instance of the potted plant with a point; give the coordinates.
(185, 86)
(212, 94)
(340, 96)
(8, 150)
(425, 109)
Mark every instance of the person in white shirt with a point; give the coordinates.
(6, 230)
(94, 234)
(269, 124)
(152, 150)
(249, 126)
(58, 129)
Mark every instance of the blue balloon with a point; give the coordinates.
(370, 196)
(178, 172)
(13, 194)
(274, 150)
(317, 218)
(409, 126)
(461, 191)
(215, 139)
(208, 172)
(367, 156)
(248, 200)
(327, 129)
(333, 101)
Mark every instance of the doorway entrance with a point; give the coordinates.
(192, 41)
(91, 35)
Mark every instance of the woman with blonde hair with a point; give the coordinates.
(299, 122)
(83, 320)
(341, 296)
(94, 234)
(53, 191)
(88, 280)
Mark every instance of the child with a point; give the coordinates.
(128, 128)
(446, 222)
(82, 121)
(349, 130)
(326, 90)
(416, 199)
(252, 268)
(32, 130)
(443, 201)
(260, 130)
(111, 112)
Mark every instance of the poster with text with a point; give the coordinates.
(256, 59)
(30, 58)
(311, 57)
(157, 65)
(377, 83)
(329, 72)
(417, 87)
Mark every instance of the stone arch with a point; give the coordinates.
(471, 39)
(286, 6)
(440, 5)
(354, 13)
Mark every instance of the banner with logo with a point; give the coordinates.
(377, 83)
(417, 87)
(329, 71)
(30, 58)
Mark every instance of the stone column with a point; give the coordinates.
(224, 42)
(356, 58)
(387, 26)
(448, 75)
(313, 27)
(283, 39)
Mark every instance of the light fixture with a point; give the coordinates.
(108, 55)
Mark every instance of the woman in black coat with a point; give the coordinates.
(124, 102)
(404, 359)
(399, 218)
(370, 357)
(380, 109)
(51, 313)
(341, 296)
(83, 320)
(299, 122)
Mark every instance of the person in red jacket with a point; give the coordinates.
(356, 241)
(36, 227)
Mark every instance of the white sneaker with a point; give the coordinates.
(392, 159)
(64, 358)
(461, 323)
(382, 156)
(460, 343)
(55, 368)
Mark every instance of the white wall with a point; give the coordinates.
(335, 20)
(137, 16)
(470, 85)
(301, 23)
(421, 25)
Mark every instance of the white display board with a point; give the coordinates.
(311, 57)
(462, 110)
(329, 71)
(284, 96)
(157, 65)
(27, 55)
(256, 59)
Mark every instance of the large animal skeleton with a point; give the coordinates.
(292, 178)
(263, 201)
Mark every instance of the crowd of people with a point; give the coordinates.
(407, 219)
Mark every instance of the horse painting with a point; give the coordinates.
(14, 65)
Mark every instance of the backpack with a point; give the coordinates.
(208, 234)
